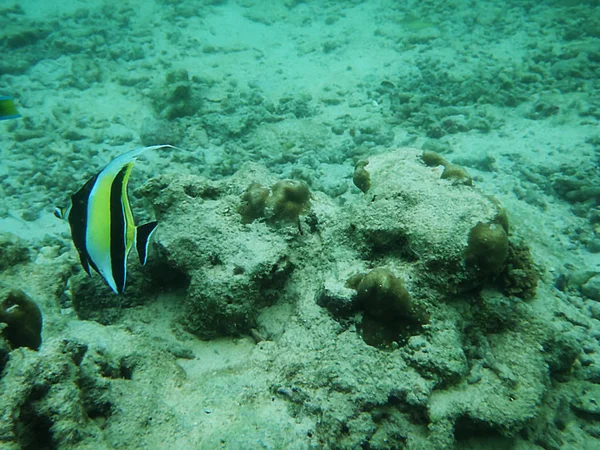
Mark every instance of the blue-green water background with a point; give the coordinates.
(509, 90)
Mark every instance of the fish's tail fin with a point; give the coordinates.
(142, 238)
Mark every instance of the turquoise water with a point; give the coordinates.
(378, 228)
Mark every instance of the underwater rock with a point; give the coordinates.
(561, 349)
(433, 159)
(288, 199)
(487, 248)
(384, 297)
(361, 356)
(361, 178)
(405, 240)
(254, 202)
(439, 355)
(389, 312)
(284, 202)
(457, 174)
(234, 269)
(4, 351)
(22, 318)
(64, 396)
(42, 406)
(92, 299)
(372, 133)
(13, 251)
(409, 216)
(520, 275)
(177, 97)
(453, 172)
(504, 396)
(338, 299)
(159, 131)
(591, 288)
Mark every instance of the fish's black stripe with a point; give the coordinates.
(78, 222)
(142, 236)
(117, 230)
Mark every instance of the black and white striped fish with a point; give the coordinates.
(101, 221)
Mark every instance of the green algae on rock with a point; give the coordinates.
(452, 172)
(384, 296)
(284, 202)
(390, 313)
(520, 275)
(487, 248)
(288, 199)
(22, 318)
(361, 178)
(254, 202)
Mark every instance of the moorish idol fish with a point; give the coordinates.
(102, 224)
(8, 110)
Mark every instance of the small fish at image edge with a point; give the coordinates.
(8, 110)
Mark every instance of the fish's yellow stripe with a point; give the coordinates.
(98, 227)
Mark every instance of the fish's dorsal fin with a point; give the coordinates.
(142, 238)
(115, 166)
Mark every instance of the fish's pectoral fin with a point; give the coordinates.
(142, 238)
